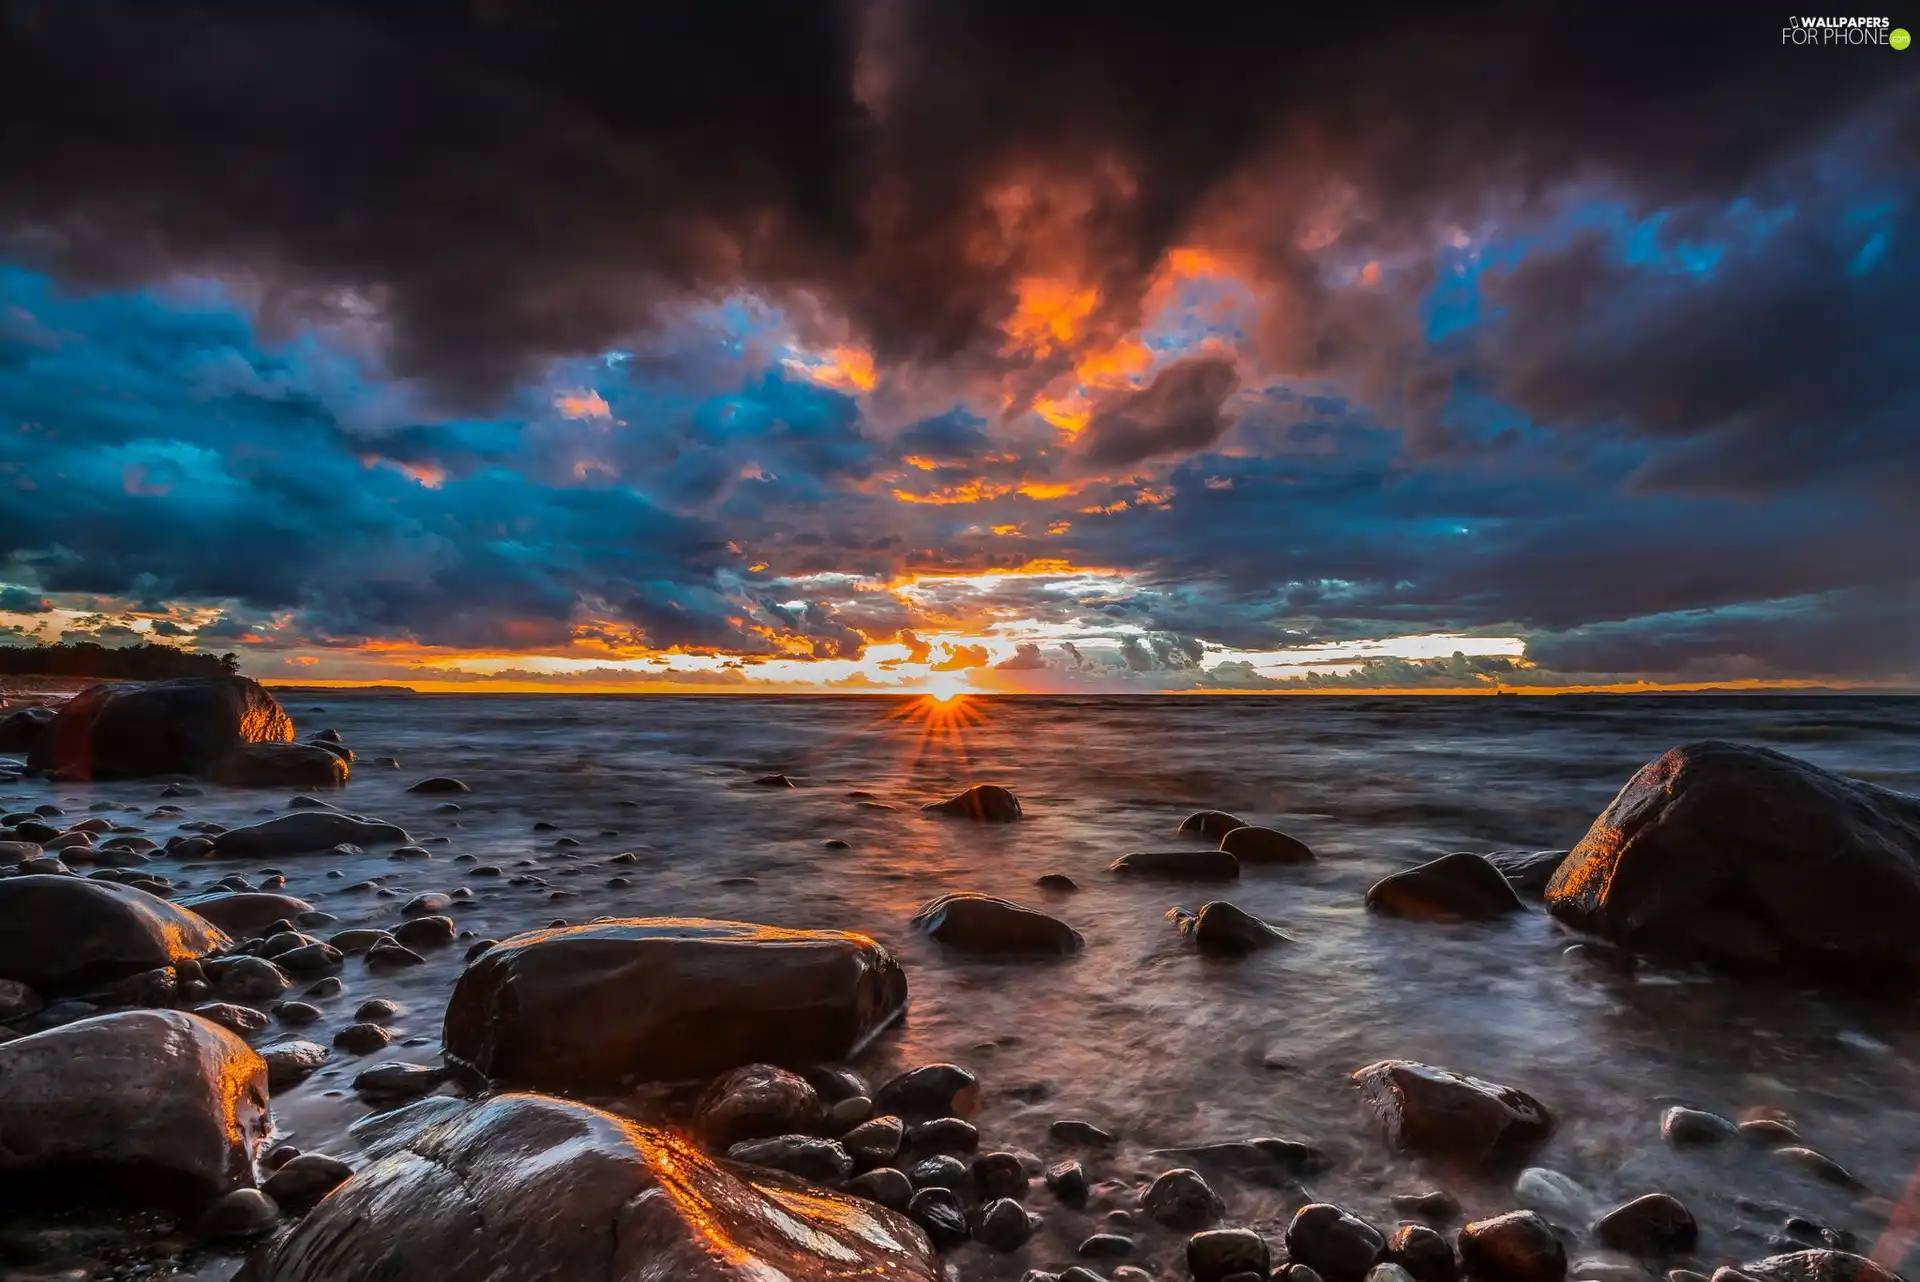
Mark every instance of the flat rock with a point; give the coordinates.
(1251, 844)
(280, 765)
(984, 803)
(525, 1186)
(1178, 865)
(160, 1106)
(1457, 887)
(70, 934)
(134, 730)
(988, 926)
(1750, 858)
(305, 832)
(666, 998)
(1423, 1109)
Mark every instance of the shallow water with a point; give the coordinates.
(1139, 1034)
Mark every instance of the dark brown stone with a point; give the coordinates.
(137, 730)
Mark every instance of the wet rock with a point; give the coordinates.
(20, 731)
(1004, 1225)
(247, 913)
(132, 730)
(1220, 929)
(875, 1142)
(1071, 1130)
(281, 765)
(241, 1213)
(362, 1039)
(439, 784)
(999, 1175)
(1267, 1161)
(987, 926)
(291, 1063)
(1423, 1109)
(304, 832)
(1255, 845)
(1692, 1127)
(1334, 1243)
(663, 999)
(1516, 1247)
(1178, 865)
(1067, 1181)
(299, 1183)
(391, 954)
(425, 932)
(1212, 824)
(1705, 855)
(941, 1171)
(808, 1156)
(1818, 1165)
(939, 1213)
(1105, 1246)
(931, 1090)
(848, 1113)
(984, 803)
(1458, 887)
(238, 1019)
(571, 1192)
(394, 1081)
(884, 1185)
(756, 1101)
(1434, 1205)
(1423, 1254)
(1528, 872)
(833, 1083)
(1221, 1253)
(426, 904)
(164, 1093)
(774, 781)
(1816, 1266)
(951, 1135)
(70, 934)
(1182, 1200)
(1768, 1132)
(1560, 1198)
(328, 987)
(247, 979)
(1607, 1269)
(1654, 1225)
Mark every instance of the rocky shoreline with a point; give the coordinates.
(685, 1082)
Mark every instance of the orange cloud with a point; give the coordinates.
(582, 403)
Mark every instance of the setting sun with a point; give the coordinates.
(943, 687)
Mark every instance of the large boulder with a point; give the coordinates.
(1748, 857)
(1459, 887)
(62, 935)
(666, 999)
(1423, 1109)
(281, 765)
(158, 1106)
(982, 924)
(21, 730)
(133, 730)
(525, 1186)
(306, 831)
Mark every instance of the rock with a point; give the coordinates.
(807, 1156)
(1817, 1266)
(1391, 1272)
(938, 1212)
(247, 913)
(362, 1039)
(999, 1175)
(1516, 1247)
(774, 781)
(70, 934)
(310, 959)
(848, 1113)
(247, 979)
(133, 730)
(1178, 865)
(1222, 930)
(1691, 1127)
(1182, 1200)
(1212, 824)
(19, 852)
(238, 1019)
(425, 932)
(1528, 872)
(1459, 887)
(942, 1135)
(1105, 1246)
(572, 1192)
(1267, 1161)
(1818, 1165)
(664, 999)
(304, 832)
(1434, 1205)
(1004, 1225)
(300, 1182)
(241, 1213)
(875, 1142)
(941, 1171)
(163, 1093)
(885, 1185)
(1560, 1198)
(426, 904)
(280, 765)
(439, 784)
(1744, 856)
(1071, 1130)
(20, 731)
(389, 954)
(984, 803)
(1222, 1253)
(1653, 1225)
(397, 1081)
(17, 1001)
(756, 1101)
(1768, 1132)
(931, 1090)
(1423, 1109)
(987, 926)
(291, 1063)
(298, 1014)
(1337, 1245)
(1068, 1182)
(1254, 845)
(1423, 1254)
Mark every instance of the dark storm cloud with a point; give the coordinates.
(511, 182)
(16, 600)
(1179, 412)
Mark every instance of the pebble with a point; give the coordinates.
(1653, 1225)
(399, 1081)
(376, 1010)
(941, 1171)
(1004, 1225)
(1083, 1134)
(1422, 1253)
(1068, 1182)
(807, 1156)
(362, 1038)
(999, 1175)
(849, 1113)
(1182, 1200)
(1334, 1243)
(875, 1142)
(885, 1185)
(1106, 1246)
(932, 1090)
(938, 1211)
(952, 1135)
(239, 1019)
(1818, 1165)
(290, 1063)
(1516, 1247)
(1218, 1254)
(1688, 1127)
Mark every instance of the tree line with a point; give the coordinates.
(129, 662)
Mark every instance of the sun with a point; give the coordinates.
(944, 687)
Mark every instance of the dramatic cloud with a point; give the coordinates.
(1179, 412)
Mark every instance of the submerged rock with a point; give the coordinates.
(667, 998)
(1213, 824)
(158, 1106)
(61, 935)
(984, 802)
(983, 924)
(571, 1192)
(1178, 865)
(1267, 1161)
(21, 730)
(1748, 857)
(1459, 887)
(128, 730)
(1528, 871)
(437, 784)
(1254, 845)
(305, 832)
(1224, 930)
(1692, 1127)
(281, 765)
(1423, 1109)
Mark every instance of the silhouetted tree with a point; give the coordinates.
(132, 662)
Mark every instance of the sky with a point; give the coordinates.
(894, 345)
